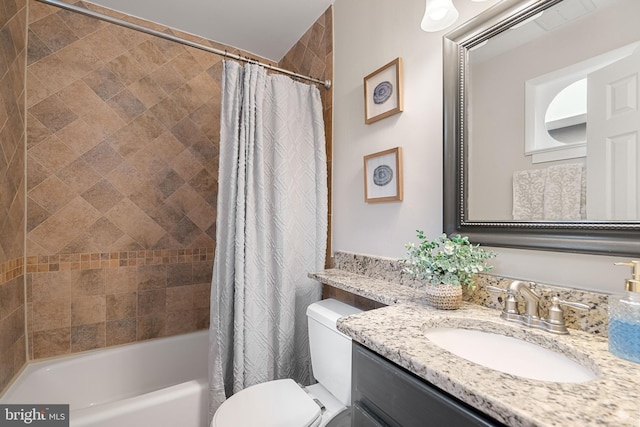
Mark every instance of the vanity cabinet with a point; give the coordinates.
(386, 395)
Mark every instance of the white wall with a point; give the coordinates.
(369, 34)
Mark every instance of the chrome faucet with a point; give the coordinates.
(531, 317)
(531, 298)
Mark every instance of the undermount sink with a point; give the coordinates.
(510, 355)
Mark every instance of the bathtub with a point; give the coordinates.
(159, 383)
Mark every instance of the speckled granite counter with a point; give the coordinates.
(378, 290)
(397, 333)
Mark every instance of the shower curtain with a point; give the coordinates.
(271, 230)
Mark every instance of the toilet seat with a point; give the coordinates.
(279, 403)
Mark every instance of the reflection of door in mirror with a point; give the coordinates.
(613, 139)
(497, 74)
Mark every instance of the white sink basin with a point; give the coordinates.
(510, 355)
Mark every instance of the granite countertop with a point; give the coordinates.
(397, 333)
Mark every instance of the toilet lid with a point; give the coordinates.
(279, 403)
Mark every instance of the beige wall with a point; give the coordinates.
(13, 17)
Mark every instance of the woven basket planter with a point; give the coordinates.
(444, 297)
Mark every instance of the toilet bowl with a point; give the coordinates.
(284, 403)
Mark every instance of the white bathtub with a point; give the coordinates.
(159, 383)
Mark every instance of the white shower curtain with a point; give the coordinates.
(271, 230)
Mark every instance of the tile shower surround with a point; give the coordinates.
(95, 300)
(122, 165)
(122, 136)
(13, 51)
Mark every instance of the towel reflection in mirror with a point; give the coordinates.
(555, 193)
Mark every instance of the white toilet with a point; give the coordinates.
(283, 403)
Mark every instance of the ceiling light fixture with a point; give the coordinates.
(438, 15)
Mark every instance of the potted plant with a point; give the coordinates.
(445, 264)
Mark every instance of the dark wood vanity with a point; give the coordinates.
(384, 394)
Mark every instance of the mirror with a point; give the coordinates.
(565, 118)
(526, 165)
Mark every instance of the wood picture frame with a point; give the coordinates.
(383, 92)
(383, 176)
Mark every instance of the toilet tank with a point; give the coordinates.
(330, 348)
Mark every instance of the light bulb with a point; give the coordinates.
(438, 15)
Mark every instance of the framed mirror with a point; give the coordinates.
(542, 126)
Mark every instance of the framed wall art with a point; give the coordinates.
(383, 176)
(383, 92)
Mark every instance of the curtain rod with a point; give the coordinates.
(120, 22)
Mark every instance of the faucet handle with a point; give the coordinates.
(496, 289)
(576, 305)
(556, 314)
(510, 303)
(533, 286)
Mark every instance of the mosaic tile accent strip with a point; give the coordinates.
(11, 269)
(116, 259)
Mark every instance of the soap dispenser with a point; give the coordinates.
(624, 317)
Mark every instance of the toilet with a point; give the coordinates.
(284, 403)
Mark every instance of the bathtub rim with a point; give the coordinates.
(84, 353)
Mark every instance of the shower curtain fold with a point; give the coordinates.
(271, 229)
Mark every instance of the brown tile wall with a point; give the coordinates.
(312, 56)
(13, 17)
(122, 158)
(82, 302)
(122, 165)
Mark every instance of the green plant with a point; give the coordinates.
(449, 260)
